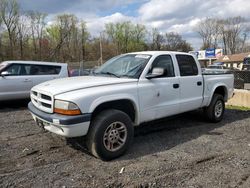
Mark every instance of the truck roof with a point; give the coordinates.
(159, 52)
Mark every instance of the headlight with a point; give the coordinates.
(66, 108)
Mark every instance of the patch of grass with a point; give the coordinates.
(242, 108)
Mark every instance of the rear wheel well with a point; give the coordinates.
(123, 105)
(221, 90)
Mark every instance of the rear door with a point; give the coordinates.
(159, 97)
(17, 83)
(191, 83)
(42, 73)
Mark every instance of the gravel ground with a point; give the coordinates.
(181, 152)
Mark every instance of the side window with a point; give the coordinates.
(18, 70)
(165, 62)
(44, 70)
(187, 65)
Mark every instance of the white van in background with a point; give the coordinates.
(18, 77)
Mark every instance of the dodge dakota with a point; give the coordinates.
(124, 92)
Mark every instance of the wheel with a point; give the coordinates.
(111, 132)
(215, 111)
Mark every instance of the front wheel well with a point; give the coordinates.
(123, 105)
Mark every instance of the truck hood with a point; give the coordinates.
(59, 86)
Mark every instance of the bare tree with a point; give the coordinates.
(9, 13)
(243, 41)
(1, 50)
(22, 33)
(37, 24)
(157, 40)
(174, 42)
(209, 30)
(234, 32)
(63, 31)
(84, 37)
(231, 32)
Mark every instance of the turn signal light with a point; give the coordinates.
(67, 112)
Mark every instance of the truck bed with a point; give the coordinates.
(212, 79)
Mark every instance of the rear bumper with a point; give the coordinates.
(68, 126)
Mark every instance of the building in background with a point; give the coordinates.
(234, 60)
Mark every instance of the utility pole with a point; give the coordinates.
(101, 48)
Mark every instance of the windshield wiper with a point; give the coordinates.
(110, 73)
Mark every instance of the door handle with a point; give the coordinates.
(175, 86)
(199, 83)
(27, 80)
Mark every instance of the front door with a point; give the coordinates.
(159, 97)
(17, 83)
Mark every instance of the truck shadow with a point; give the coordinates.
(7, 106)
(165, 134)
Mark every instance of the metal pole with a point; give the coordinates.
(101, 48)
(81, 68)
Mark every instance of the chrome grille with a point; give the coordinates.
(42, 101)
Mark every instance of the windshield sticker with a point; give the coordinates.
(142, 56)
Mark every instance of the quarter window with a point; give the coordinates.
(187, 65)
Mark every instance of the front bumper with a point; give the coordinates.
(68, 126)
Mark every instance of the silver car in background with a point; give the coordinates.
(18, 77)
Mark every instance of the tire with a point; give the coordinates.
(111, 132)
(215, 111)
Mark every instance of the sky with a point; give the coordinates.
(180, 16)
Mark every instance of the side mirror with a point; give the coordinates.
(5, 73)
(156, 73)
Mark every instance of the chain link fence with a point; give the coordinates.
(241, 78)
(82, 68)
(83, 65)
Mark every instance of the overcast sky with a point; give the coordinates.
(167, 15)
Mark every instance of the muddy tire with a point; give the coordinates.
(111, 132)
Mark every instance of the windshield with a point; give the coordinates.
(130, 65)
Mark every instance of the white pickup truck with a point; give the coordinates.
(124, 92)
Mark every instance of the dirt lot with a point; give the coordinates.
(182, 152)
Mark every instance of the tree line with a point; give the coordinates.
(28, 36)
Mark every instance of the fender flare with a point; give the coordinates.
(213, 91)
(109, 98)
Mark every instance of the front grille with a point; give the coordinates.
(35, 93)
(46, 97)
(42, 101)
(46, 105)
